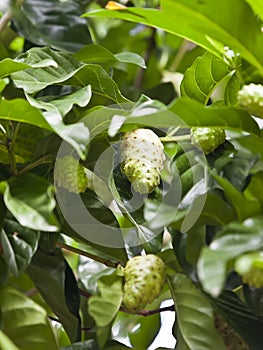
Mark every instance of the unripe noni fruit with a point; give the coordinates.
(251, 98)
(70, 175)
(142, 159)
(145, 277)
(208, 138)
(250, 267)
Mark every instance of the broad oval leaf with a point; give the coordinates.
(210, 25)
(195, 316)
(25, 322)
(55, 281)
(19, 245)
(194, 114)
(203, 76)
(30, 199)
(104, 306)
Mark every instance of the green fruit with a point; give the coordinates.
(208, 138)
(254, 277)
(70, 175)
(251, 98)
(145, 277)
(232, 340)
(142, 159)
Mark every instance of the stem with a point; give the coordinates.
(175, 138)
(7, 16)
(180, 55)
(146, 313)
(150, 47)
(42, 160)
(88, 255)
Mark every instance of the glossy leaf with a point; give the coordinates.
(204, 24)
(195, 316)
(25, 322)
(30, 199)
(194, 114)
(257, 7)
(66, 70)
(104, 307)
(19, 245)
(21, 111)
(6, 343)
(52, 23)
(235, 239)
(49, 272)
(202, 77)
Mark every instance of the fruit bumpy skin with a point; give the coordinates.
(145, 277)
(142, 159)
(70, 175)
(251, 98)
(208, 138)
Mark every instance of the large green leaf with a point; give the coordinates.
(51, 276)
(67, 70)
(235, 239)
(245, 207)
(6, 343)
(210, 25)
(30, 199)
(203, 76)
(19, 245)
(20, 110)
(52, 23)
(104, 306)
(257, 7)
(194, 114)
(195, 316)
(25, 322)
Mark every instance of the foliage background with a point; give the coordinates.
(63, 62)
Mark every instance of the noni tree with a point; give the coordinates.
(131, 174)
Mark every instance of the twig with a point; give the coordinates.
(4, 20)
(106, 262)
(180, 55)
(85, 329)
(42, 160)
(150, 312)
(84, 293)
(150, 47)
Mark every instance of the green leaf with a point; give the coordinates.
(130, 57)
(3, 271)
(257, 7)
(205, 24)
(49, 274)
(104, 307)
(52, 23)
(235, 239)
(194, 114)
(203, 76)
(19, 245)
(30, 199)
(66, 70)
(195, 316)
(244, 207)
(6, 343)
(25, 322)
(20, 110)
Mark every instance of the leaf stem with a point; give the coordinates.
(106, 262)
(175, 138)
(180, 55)
(146, 313)
(42, 160)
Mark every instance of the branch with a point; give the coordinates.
(106, 262)
(150, 312)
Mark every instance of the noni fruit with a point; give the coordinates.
(145, 277)
(209, 138)
(142, 159)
